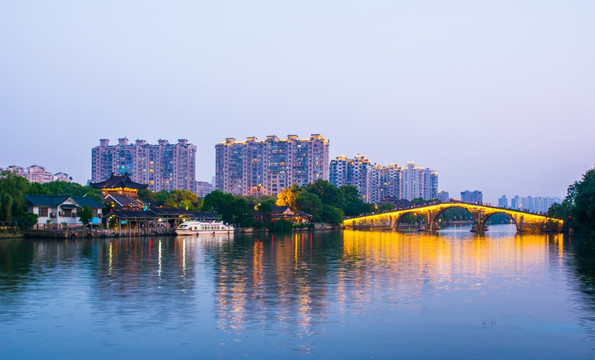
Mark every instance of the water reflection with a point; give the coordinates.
(296, 287)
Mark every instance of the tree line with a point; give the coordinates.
(323, 201)
(578, 208)
(14, 188)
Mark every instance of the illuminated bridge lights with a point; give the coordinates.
(525, 222)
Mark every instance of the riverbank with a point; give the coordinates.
(111, 233)
(11, 234)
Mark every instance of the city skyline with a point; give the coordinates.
(495, 96)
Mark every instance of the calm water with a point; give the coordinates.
(333, 294)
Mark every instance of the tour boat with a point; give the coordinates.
(201, 227)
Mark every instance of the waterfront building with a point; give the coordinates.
(475, 197)
(443, 196)
(418, 182)
(503, 201)
(54, 211)
(356, 172)
(266, 167)
(121, 192)
(163, 166)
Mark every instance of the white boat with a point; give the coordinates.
(201, 227)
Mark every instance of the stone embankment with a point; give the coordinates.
(95, 233)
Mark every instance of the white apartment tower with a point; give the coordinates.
(418, 182)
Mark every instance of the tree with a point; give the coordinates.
(85, 215)
(182, 198)
(223, 204)
(386, 207)
(65, 188)
(330, 214)
(265, 209)
(281, 226)
(149, 196)
(288, 196)
(12, 195)
(578, 208)
(353, 205)
(327, 193)
(309, 203)
(584, 201)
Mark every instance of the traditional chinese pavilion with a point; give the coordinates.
(120, 192)
(119, 185)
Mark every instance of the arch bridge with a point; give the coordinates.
(525, 222)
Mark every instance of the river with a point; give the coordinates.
(340, 294)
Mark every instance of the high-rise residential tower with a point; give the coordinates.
(385, 181)
(254, 167)
(356, 172)
(163, 166)
(418, 182)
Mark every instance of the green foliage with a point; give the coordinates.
(455, 213)
(330, 214)
(499, 218)
(327, 193)
(12, 196)
(85, 215)
(386, 207)
(231, 209)
(281, 226)
(64, 188)
(149, 197)
(308, 203)
(352, 204)
(584, 201)
(578, 209)
(266, 206)
(562, 211)
(182, 198)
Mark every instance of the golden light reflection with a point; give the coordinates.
(423, 258)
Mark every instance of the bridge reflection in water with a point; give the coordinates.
(525, 222)
(307, 293)
(295, 283)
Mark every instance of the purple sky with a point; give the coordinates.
(497, 96)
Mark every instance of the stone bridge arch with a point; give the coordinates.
(433, 220)
(505, 213)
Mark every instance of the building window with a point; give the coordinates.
(43, 212)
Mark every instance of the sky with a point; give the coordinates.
(497, 96)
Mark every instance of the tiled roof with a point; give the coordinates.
(45, 200)
(124, 200)
(116, 181)
(55, 200)
(87, 201)
(132, 214)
